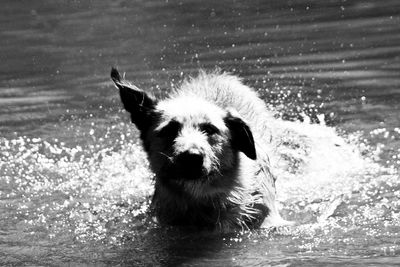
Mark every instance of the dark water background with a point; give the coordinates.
(74, 182)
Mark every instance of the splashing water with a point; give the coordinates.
(65, 197)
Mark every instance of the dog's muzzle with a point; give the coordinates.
(190, 165)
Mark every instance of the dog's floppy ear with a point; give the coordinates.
(241, 136)
(140, 105)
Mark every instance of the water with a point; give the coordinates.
(75, 183)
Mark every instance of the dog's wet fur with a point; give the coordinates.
(207, 144)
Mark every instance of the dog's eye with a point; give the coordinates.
(170, 130)
(209, 129)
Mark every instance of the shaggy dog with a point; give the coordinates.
(207, 144)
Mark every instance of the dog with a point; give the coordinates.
(207, 144)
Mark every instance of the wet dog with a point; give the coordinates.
(207, 144)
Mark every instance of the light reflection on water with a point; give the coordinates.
(74, 181)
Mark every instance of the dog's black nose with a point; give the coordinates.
(191, 159)
(190, 162)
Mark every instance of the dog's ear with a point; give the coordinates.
(139, 104)
(241, 136)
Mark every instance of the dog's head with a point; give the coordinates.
(192, 144)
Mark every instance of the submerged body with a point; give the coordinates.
(207, 143)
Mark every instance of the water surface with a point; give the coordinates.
(74, 181)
